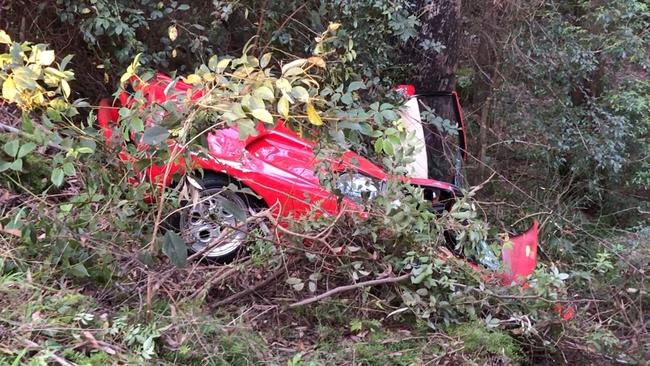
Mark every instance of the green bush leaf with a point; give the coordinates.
(356, 85)
(263, 115)
(155, 135)
(4, 37)
(78, 270)
(17, 165)
(300, 93)
(11, 148)
(175, 249)
(57, 176)
(26, 149)
(264, 93)
(283, 107)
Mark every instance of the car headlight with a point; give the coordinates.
(357, 186)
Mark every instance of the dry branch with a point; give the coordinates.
(336, 290)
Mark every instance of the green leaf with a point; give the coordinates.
(295, 64)
(4, 37)
(212, 62)
(155, 135)
(221, 65)
(66, 207)
(17, 165)
(284, 85)
(11, 148)
(264, 93)
(68, 169)
(26, 149)
(79, 270)
(65, 61)
(300, 93)
(175, 249)
(283, 107)
(137, 124)
(356, 85)
(347, 99)
(266, 58)
(25, 78)
(85, 150)
(355, 325)
(57, 176)
(263, 115)
(65, 87)
(46, 58)
(235, 210)
(246, 128)
(145, 257)
(4, 165)
(388, 148)
(27, 124)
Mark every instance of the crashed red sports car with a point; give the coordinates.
(279, 167)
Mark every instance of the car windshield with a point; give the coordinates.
(442, 136)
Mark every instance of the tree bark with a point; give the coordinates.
(435, 70)
(441, 21)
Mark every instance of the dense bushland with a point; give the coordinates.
(558, 106)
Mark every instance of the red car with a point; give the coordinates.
(279, 166)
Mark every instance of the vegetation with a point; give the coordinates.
(557, 100)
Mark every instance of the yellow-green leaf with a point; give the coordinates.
(264, 93)
(212, 62)
(333, 27)
(221, 65)
(193, 79)
(284, 85)
(4, 37)
(294, 64)
(300, 93)
(263, 115)
(55, 72)
(9, 89)
(313, 116)
(172, 32)
(65, 87)
(264, 61)
(46, 58)
(283, 107)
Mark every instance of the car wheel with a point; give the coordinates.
(217, 223)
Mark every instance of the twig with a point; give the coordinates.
(336, 290)
(21, 133)
(250, 290)
(58, 359)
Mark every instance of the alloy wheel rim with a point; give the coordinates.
(209, 220)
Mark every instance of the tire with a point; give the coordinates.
(219, 213)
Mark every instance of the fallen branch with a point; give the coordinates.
(10, 129)
(334, 291)
(232, 298)
(60, 360)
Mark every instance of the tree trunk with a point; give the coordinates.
(435, 70)
(440, 22)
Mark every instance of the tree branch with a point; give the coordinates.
(334, 291)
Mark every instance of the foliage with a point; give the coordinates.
(575, 74)
(71, 224)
